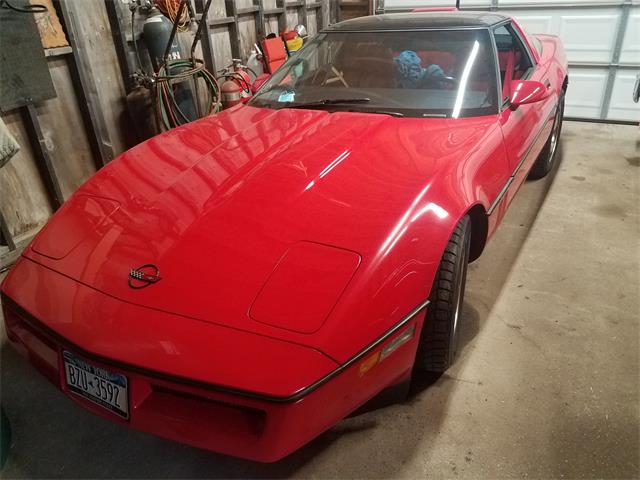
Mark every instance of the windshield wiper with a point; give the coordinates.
(326, 101)
(386, 112)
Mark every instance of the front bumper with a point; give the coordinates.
(261, 429)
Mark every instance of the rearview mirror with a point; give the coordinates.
(527, 91)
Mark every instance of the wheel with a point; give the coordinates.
(544, 162)
(439, 338)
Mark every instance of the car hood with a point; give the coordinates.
(217, 204)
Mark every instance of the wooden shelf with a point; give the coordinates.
(221, 21)
(56, 52)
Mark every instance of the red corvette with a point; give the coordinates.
(244, 282)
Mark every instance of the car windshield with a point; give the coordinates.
(406, 73)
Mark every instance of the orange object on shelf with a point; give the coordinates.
(274, 52)
(51, 32)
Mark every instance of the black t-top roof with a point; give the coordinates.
(419, 21)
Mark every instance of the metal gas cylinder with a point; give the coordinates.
(156, 32)
(231, 92)
(242, 78)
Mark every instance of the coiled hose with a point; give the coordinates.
(169, 113)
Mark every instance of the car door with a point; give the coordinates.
(525, 128)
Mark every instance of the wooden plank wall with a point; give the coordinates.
(23, 196)
(220, 35)
(354, 8)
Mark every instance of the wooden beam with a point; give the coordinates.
(114, 13)
(234, 31)
(7, 256)
(320, 13)
(57, 51)
(247, 10)
(214, 22)
(207, 46)
(42, 157)
(87, 88)
(360, 3)
(282, 16)
(302, 13)
(259, 18)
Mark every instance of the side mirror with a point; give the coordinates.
(527, 91)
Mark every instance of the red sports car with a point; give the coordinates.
(244, 282)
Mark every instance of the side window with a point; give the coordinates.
(513, 58)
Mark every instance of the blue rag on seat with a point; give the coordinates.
(409, 68)
(410, 71)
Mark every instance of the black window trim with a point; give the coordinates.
(397, 30)
(508, 24)
(496, 63)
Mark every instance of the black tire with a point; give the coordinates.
(546, 159)
(439, 338)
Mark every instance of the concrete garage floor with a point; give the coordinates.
(546, 385)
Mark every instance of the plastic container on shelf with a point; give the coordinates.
(255, 64)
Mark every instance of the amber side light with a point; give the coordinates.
(396, 342)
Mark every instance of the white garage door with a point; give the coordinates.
(601, 38)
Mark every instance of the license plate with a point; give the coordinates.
(101, 386)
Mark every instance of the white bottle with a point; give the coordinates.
(255, 64)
